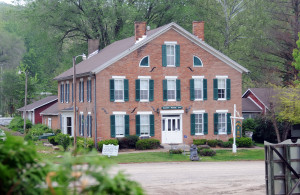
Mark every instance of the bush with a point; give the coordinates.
(230, 139)
(128, 142)
(17, 124)
(198, 142)
(212, 143)
(207, 152)
(52, 140)
(249, 125)
(63, 140)
(244, 142)
(145, 144)
(106, 142)
(57, 131)
(220, 143)
(227, 144)
(175, 151)
(84, 142)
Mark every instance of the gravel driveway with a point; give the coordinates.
(242, 177)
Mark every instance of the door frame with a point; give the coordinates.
(172, 112)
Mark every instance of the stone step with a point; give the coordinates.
(176, 146)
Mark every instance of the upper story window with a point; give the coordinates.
(222, 122)
(198, 88)
(145, 62)
(197, 62)
(144, 89)
(171, 89)
(67, 92)
(222, 88)
(171, 54)
(62, 92)
(89, 90)
(119, 89)
(81, 90)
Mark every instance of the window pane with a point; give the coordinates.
(222, 123)
(120, 129)
(170, 55)
(145, 61)
(171, 89)
(145, 124)
(198, 85)
(144, 89)
(119, 90)
(198, 123)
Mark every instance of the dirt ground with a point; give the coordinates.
(242, 177)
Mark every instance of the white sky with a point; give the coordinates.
(11, 1)
(6, 1)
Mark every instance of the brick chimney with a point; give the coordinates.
(93, 45)
(198, 29)
(140, 29)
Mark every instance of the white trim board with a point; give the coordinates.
(171, 111)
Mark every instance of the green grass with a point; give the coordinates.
(259, 144)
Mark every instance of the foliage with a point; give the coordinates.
(175, 151)
(17, 124)
(206, 152)
(107, 142)
(36, 131)
(227, 144)
(249, 125)
(220, 143)
(85, 142)
(145, 144)
(2, 136)
(128, 141)
(63, 140)
(20, 172)
(244, 142)
(52, 140)
(199, 141)
(57, 131)
(212, 143)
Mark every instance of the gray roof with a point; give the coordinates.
(52, 110)
(120, 49)
(264, 95)
(39, 103)
(249, 106)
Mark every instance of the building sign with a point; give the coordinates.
(110, 150)
(238, 128)
(171, 107)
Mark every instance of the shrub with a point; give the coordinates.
(84, 142)
(128, 142)
(227, 144)
(207, 152)
(244, 142)
(52, 140)
(230, 139)
(220, 143)
(17, 124)
(212, 143)
(63, 140)
(106, 142)
(57, 131)
(145, 144)
(198, 142)
(175, 151)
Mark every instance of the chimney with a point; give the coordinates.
(93, 45)
(140, 30)
(198, 29)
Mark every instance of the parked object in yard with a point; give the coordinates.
(193, 153)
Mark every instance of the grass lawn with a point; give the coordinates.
(259, 144)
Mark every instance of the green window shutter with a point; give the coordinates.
(228, 123)
(137, 125)
(112, 126)
(164, 55)
(82, 123)
(72, 93)
(82, 91)
(215, 89)
(111, 89)
(165, 90)
(192, 90)
(192, 124)
(137, 90)
(87, 90)
(91, 122)
(79, 121)
(87, 125)
(204, 89)
(152, 130)
(177, 55)
(126, 125)
(178, 96)
(205, 117)
(151, 90)
(216, 115)
(228, 89)
(90, 90)
(126, 93)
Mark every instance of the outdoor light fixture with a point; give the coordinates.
(25, 101)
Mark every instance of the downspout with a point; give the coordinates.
(95, 112)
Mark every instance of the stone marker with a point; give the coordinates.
(193, 153)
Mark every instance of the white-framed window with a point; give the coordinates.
(221, 88)
(62, 92)
(170, 54)
(119, 89)
(199, 124)
(171, 89)
(144, 89)
(120, 125)
(222, 123)
(198, 89)
(67, 92)
(145, 62)
(81, 90)
(145, 124)
(50, 123)
(197, 62)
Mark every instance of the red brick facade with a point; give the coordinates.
(54, 121)
(129, 67)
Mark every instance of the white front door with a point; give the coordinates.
(67, 123)
(171, 129)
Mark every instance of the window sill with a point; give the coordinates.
(144, 66)
(144, 100)
(170, 66)
(171, 100)
(222, 133)
(199, 133)
(195, 66)
(198, 100)
(221, 99)
(119, 136)
(119, 101)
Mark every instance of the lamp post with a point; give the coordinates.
(25, 102)
(74, 95)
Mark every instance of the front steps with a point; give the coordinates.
(184, 147)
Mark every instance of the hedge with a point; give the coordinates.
(145, 144)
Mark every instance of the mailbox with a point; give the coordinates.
(295, 131)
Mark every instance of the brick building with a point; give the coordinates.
(164, 83)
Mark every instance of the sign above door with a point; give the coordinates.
(171, 107)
